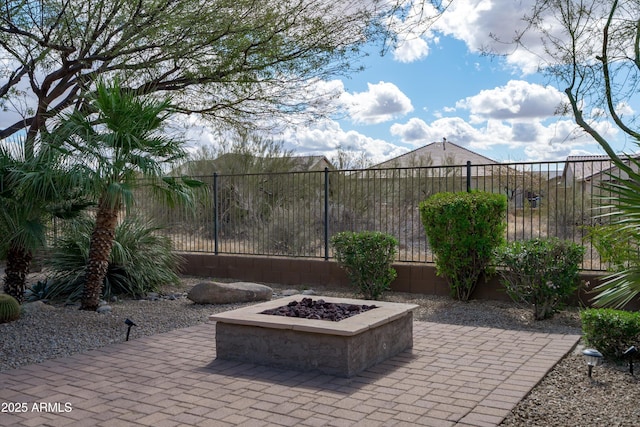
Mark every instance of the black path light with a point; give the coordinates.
(631, 353)
(593, 358)
(129, 323)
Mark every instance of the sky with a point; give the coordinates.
(439, 85)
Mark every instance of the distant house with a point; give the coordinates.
(310, 163)
(588, 172)
(442, 153)
(448, 161)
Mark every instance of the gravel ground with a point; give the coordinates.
(565, 397)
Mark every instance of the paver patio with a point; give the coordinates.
(454, 375)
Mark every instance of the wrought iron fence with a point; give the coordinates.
(296, 213)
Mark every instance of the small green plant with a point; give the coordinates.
(541, 272)
(9, 308)
(610, 331)
(140, 261)
(367, 257)
(464, 229)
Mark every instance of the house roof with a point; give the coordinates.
(310, 163)
(585, 167)
(442, 153)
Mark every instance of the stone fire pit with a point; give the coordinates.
(342, 348)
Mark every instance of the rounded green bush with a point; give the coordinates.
(367, 257)
(9, 308)
(610, 331)
(463, 230)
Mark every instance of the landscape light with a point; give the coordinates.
(593, 358)
(129, 323)
(631, 352)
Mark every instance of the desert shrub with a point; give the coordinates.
(610, 331)
(367, 257)
(464, 229)
(287, 233)
(140, 261)
(569, 209)
(615, 244)
(541, 272)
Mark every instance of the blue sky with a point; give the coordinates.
(439, 85)
(434, 84)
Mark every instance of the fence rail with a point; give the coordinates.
(296, 213)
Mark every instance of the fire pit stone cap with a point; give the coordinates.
(384, 312)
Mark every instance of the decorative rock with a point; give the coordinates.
(153, 296)
(36, 305)
(228, 293)
(103, 309)
(309, 292)
(289, 292)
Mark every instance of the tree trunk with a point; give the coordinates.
(16, 271)
(100, 247)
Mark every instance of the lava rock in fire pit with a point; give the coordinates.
(320, 310)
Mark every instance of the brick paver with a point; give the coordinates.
(454, 375)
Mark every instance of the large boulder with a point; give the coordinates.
(228, 293)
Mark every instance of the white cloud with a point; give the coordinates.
(540, 142)
(518, 99)
(479, 23)
(455, 129)
(381, 103)
(325, 137)
(413, 31)
(411, 50)
(624, 109)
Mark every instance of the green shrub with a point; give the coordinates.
(610, 331)
(9, 308)
(140, 261)
(615, 245)
(542, 272)
(367, 257)
(464, 229)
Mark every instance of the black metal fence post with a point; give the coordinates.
(468, 176)
(326, 213)
(215, 213)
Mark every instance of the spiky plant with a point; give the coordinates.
(9, 308)
(140, 261)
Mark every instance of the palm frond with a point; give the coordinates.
(618, 289)
(622, 209)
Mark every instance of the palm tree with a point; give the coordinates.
(117, 137)
(33, 190)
